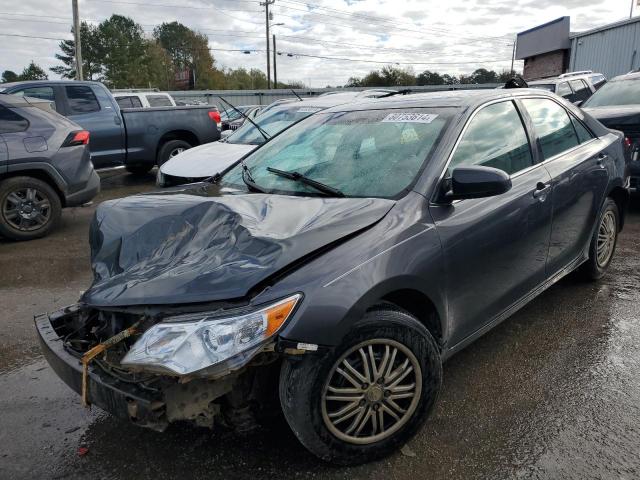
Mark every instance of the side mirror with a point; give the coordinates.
(477, 182)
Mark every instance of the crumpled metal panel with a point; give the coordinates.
(184, 246)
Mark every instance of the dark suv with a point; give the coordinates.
(574, 86)
(45, 165)
(339, 265)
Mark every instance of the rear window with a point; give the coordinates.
(81, 99)
(11, 122)
(619, 92)
(129, 102)
(159, 101)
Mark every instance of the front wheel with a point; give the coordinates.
(367, 397)
(603, 242)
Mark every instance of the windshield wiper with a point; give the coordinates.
(298, 177)
(248, 180)
(246, 117)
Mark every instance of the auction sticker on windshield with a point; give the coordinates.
(410, 117)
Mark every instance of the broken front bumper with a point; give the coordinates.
(121, 399)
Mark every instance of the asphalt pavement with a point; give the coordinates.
(553, 392)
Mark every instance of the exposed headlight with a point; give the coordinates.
(189, 343)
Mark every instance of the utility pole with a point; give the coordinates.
(513, 55)
(275, 73)
(76, 34)
(266, 16)
(631, 11)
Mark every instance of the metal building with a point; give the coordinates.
(549, 49)
(612, 49)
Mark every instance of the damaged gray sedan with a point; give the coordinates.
(333, 271)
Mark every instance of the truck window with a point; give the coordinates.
(159, 101)
(44, 93)
(11, 122)
(81, 99)
(124, 102)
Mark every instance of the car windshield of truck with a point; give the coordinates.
(372, 153)
(543, 86)
(620, 92)
(272, 122)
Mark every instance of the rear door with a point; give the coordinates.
(92, 109)
(495, 249)
(577, 165)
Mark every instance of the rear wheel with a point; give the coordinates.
(29, 208)
(171, 149)
(367, 397)
(603, 242)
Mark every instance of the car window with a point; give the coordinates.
(495, 137)
(553, 126)
(44, 93)
(159, 101)
(11, 122)
(584, 135)
(564, 89)
(618, 92)
(581, 89)
(124, 102)
(371, 153)
(81, 99)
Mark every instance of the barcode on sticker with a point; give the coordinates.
(410, 117)
(309, 109)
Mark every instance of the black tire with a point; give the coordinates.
(170, 149)
(303, 382)
(37, 199)
(594, 268)
(139, 169)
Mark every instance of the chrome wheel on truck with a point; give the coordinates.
(373, 390)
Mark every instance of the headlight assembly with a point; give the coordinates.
(189, 343)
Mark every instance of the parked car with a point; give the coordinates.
(45, 166)
(339, 265)
(144, 99)
(208, 160)
(137, 138)
(574, 86)
(617, 106)
(232, 119)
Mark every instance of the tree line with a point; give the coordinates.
(390, 76)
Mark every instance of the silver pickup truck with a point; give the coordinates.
(138, 138)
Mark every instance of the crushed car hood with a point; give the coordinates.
(186, 246)
(206, 160)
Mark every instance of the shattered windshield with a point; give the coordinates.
(374, 153)
(272, 122)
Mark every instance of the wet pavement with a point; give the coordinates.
(553, 392)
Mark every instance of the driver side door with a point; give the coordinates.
(495, 249)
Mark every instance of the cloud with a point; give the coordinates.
(455, 37)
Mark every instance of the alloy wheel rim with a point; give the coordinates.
(176, 151)
(606, 238)
(26, 209)
(372, 391)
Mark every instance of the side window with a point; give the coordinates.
(158, 101)
(135, 102)
(124, 102)
(553, 126)
(44, 93)
(495, 138)
(11, 122)
(81, 99)
(584, 135)
(564, 89)
(581, 89)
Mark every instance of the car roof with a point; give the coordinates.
(450, 98)
(634, 75)
(48, 82)
(542, 81)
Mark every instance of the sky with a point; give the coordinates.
(354, 36)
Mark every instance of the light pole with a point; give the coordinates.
(275, 73)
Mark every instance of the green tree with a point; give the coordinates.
(450, 79)
(33, 72)
(482, 75)
(429, 78)
(9, 76)
(123, 52)
(91, 54)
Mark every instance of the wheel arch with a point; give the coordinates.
(185, 135)
(621, 196)
(39, 173)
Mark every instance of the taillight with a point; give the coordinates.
(627, 142)
(215, 116)
(77, 138)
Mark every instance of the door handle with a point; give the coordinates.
(541, 190)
